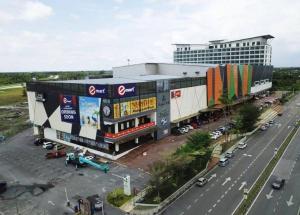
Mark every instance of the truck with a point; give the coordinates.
(55, 154)
(80, 160)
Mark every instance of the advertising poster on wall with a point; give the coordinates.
(68, 108)
(152, 103)
(144, 104)
(116, 111)
(89, 109)
(125, 108)
(135, 106)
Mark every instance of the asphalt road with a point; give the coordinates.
(23, 163)
(224, 192)
(286, 200)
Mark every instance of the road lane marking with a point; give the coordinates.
(196, 200)
(214, 205)
(222, 196)
(226, 180)
(181, 213)
(218, 200)
(209, 210)
(188, 207)
(201, 195)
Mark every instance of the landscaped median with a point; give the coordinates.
(253, 192)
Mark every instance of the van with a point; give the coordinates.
(223, 162)
(242, 145)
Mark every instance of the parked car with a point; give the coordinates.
(278, 183)
(267, 125)
(280, 114)
(195, 125)
(190, 127)
(229, 154)
(185, 129)
(98, 205)
(201, 182)
(223, 162)
(3, 186)
(48, 145)
(242, 145)
(271, 122)
(263, 128)
(175, 131)
(38, 141)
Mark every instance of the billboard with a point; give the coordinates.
(125, 108)
(89, 109)
(96, 90)
(68, 108)
(125, 90)
(135, 106)
(152, 103)
(144, 104)
(116, 111)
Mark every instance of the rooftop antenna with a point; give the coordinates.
(128, 60)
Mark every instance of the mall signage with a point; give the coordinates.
(96, 90)
(125, 90)
(68, 108)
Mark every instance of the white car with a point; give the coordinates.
(214, 136)
(189, 127)
(47, 144)
(242, 145)
(185, 129)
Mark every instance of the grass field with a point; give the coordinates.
(12, 96)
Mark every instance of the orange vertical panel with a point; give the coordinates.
(228, 67)
(245, 80)
(218, 85)
(236, 81)
(209, 85)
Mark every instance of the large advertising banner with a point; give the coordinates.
(96, 90)
(125, 108)
(135, 106)
(116, 111)
(68, 108)
(152, 103)
(89, 109)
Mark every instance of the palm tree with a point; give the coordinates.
(227, 102)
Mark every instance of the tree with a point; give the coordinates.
(247, 117)
(227, 102)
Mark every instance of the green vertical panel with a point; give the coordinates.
(241, 71)
(231, 91)
(211, 102)
(249, 78)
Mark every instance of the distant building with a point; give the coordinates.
(252, 50)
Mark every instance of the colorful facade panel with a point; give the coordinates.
(234, 80)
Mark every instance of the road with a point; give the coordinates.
(287, 200)
(224, 192)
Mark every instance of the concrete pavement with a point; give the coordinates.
(224, 192)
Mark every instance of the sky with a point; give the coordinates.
(57, 35)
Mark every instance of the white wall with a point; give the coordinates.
(31, 104)
(260, 87)
(191, 101)
(135, 70)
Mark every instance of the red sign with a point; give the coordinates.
(92, 90)
(175, 94)
(130, 130)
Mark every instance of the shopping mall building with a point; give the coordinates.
(112, 116)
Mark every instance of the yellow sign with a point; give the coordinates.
(125, 109)
(144, 104)
(135, 106)
(116, 111)
(152, 103)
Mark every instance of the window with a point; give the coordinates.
(253, 43)
(247, 43)
(229, 44)
(244, 44)
(237, 45)
(221, 46)
(258, 43)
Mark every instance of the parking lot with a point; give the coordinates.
(23, 163)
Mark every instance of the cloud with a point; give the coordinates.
(24, 11)
(35, 10)
(143, 34)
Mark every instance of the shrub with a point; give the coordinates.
(117, 197)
